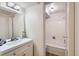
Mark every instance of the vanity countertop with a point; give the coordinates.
(12, 45)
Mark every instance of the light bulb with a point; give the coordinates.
(10, 4)
(17, 7)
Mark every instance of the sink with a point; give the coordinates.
(12, 44)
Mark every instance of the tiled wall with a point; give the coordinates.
(55, 27)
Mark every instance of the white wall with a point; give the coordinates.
(34, 27)
(55, 26)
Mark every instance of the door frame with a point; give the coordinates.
(70, 28)
(70, 24)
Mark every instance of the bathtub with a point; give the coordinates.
(55, 49)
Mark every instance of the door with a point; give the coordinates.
(55, 25)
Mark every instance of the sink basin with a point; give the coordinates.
(16, 42)
(12, 44)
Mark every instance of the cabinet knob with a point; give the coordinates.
(14, 54)
(24, 54)
(28, 45)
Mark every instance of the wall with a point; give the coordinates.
(34, 27)
(55, 26)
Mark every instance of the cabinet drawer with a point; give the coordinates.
(23, 48)
(9, 54)
(26, 52)
(12, 53)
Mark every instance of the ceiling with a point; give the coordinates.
(26, 4)
(54, 7)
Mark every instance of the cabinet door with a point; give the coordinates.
(28, 52)
(12, 53)
(26, 49)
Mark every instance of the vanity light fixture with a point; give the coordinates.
(10, 4)
(16, 7)
(13, 5)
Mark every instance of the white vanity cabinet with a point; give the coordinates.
(23, 50)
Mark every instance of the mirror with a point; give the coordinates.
(12, 25)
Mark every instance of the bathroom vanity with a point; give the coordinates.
(21, 47)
